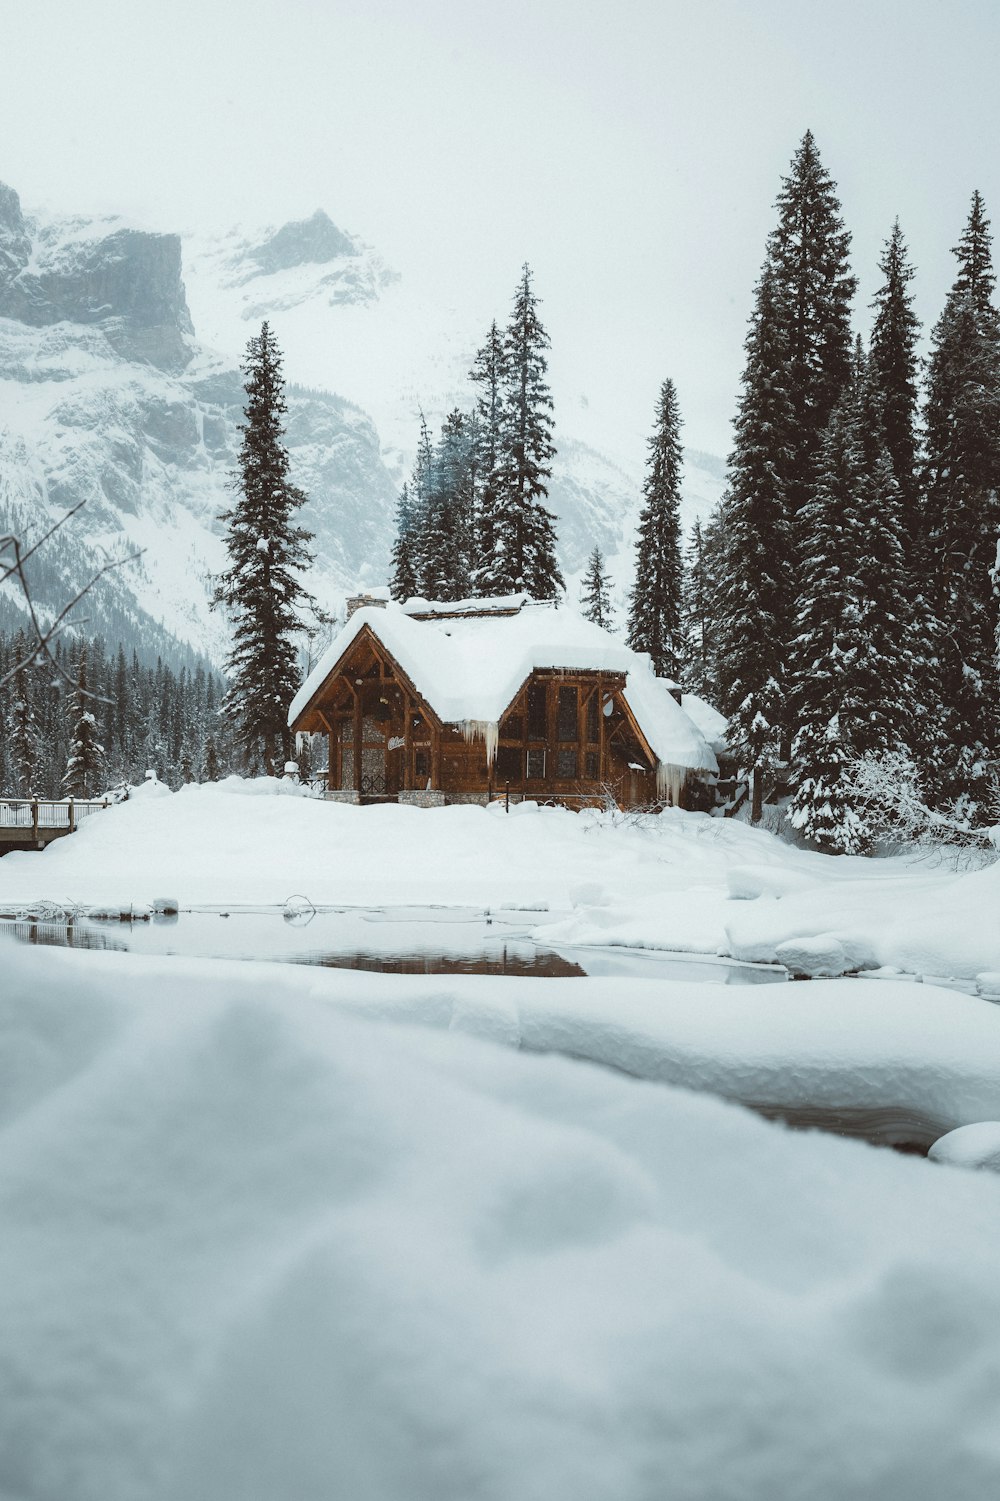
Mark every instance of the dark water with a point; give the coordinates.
(437, 942)
(402, 942)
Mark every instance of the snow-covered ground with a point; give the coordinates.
(679, 881)
(254, 1247)
(275, 1231)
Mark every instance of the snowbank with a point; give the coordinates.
(679, 880)
(254, 1247)
(935, 923)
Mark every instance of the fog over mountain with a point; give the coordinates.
(119, 357)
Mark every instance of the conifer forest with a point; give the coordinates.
(839, 607)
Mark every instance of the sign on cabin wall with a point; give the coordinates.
(395, 742)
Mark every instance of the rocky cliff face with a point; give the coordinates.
(124, 281)
(109, 397)
(114, 394)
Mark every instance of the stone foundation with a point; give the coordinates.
(426, 799)
(342, 797)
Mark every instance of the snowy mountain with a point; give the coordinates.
(119, 355)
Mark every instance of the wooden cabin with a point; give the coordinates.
(450, 703)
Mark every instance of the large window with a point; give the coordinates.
(566, 722)
(566, 764)
(537, 712)
(508, 764)
(536, 764)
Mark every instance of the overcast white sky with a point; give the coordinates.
(631, 152)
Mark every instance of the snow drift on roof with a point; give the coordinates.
(470, 666)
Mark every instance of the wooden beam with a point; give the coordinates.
(436, 759)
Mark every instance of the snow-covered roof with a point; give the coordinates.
(468, 660)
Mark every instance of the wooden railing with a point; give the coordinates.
(41, 814)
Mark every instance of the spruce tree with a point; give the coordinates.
(654, 624)
(700, 608)
(798, 364)
(962, 523)
(894, 365)
(85, 763)
(755, 592)
(403, 583)
(24, 742)
(261, 588)
(595, 597)
(828, 641)
(445, 542)
(808, 252)
(521, 555)
(489, 376)
(850, 661)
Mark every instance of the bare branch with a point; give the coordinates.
(44, 635)
(20, 558)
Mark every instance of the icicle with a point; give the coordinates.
(670, 782)
(483, 729)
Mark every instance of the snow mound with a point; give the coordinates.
(976, 1146)
(256, 1248)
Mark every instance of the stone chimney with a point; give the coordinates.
(366, 602)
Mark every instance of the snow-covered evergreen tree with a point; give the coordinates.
(808, 253)
(445, 541)
(24, 741)
(654, 623)
(516, 536)
(850, 661)
(894, 366)
(799, 354)
(962, 523)
(595, 596)
(403, 582)
(489, 376)
(210, 763)
(828, 644)
(756, 585)
(85, 764)
(703, 566)
(261, 589)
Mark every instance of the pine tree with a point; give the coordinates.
(24, 742)
(756, 585)
(894, 364)
(403, 584)
(595, 597)
(962, 522)
(521, 556)
(798, 364)
(489, 376)
(85, 763)
(211, 760)
(261, 589)
(828, 641)
(445, 542)
(808, 252)
(850, 663)
(654, 624)
(700, 608)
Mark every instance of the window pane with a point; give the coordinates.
(592, 766)
(508, 764)
(566, 719)
(422, 763)
(536, 765)
(537, 726)
(566, 765)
